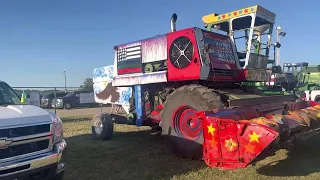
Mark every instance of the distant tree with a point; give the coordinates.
(87, 85)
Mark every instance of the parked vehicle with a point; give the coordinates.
(308, 80)
(46, 100)
(189, 85)
(75, 99)
(31, 140)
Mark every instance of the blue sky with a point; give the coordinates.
(40, 38)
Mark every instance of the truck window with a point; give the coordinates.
(69, 94)
(46, 96)
(7, 95)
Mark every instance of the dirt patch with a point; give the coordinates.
(82, 112)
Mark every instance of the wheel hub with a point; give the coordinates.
(186, 124)
(98, 127)
(192, 123)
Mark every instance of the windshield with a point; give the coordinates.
(69, 94)
(7, 95)
(47, 96)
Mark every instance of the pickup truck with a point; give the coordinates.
(32, 145)
(75, 99)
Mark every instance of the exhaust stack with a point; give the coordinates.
(173, 22)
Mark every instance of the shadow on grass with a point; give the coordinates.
(129, 155)
(302, 160)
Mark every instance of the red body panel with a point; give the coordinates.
(235, 148)
(229, 142)
(210, 56)
(234, 138)
(192, 71)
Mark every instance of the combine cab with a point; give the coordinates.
(297, 71)
(193, 86)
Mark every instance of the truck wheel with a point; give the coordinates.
(67, 105)
(182, 130)
(317, 99)
(102, 127)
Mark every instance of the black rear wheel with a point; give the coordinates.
(179, 122)
(102, 127)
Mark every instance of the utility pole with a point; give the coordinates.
(278, 41)
(65, 79)
(278, 28)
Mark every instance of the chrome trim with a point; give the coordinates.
(26, 125)
(14, 143)
(22, 138)
(173, 22)
(35, 162)
(50, 147)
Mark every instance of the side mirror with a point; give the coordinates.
(276, 69)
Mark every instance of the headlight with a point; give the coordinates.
(57, 102)
(57, 128)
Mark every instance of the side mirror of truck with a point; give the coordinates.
(276, 69)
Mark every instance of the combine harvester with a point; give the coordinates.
(191, 85)
(307, 80)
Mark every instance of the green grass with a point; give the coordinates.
(134, 154)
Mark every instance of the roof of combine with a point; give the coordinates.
(260, 11)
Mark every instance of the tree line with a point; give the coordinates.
(86, 86)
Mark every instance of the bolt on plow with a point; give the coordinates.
(235, 138)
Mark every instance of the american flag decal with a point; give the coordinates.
(129, 59)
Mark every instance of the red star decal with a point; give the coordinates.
(246, 11)
(235, 13)
(223, 16)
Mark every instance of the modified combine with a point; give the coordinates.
(194, 86)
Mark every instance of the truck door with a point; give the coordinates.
(75, 100)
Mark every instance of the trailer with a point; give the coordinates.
(194, 87)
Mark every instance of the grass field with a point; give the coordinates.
(134, 154)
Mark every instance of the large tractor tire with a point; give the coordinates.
(179, 125)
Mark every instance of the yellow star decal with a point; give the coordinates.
(211, 129)
(230, 144)
(254, 137)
